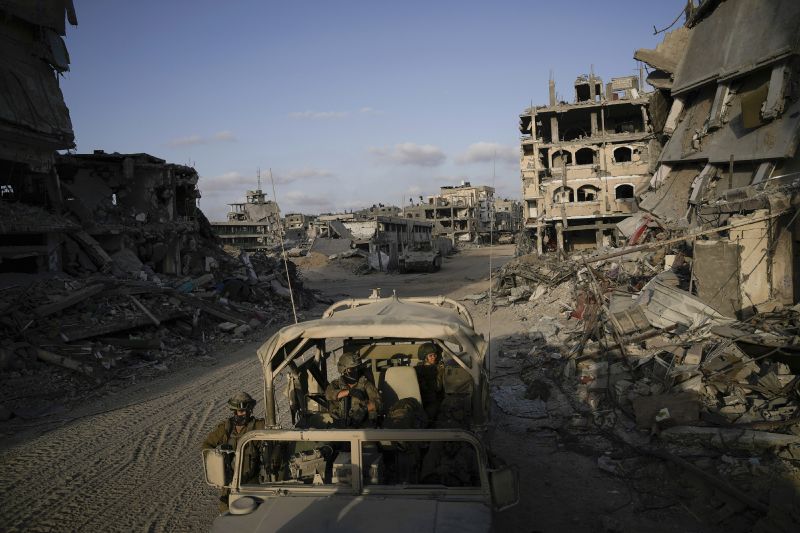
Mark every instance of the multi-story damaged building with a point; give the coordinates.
(254, 224)
(462, 213)
(296, 226)
(136, 202)
(507, 218)
(583, 162)
(728, 94)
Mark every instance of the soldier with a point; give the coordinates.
(430, 375)
(353, 399)
(227, 434)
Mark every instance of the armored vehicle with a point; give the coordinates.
(419, 257)
(408, 468)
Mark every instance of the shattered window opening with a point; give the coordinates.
(624, 192)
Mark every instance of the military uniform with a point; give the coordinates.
(226, 434)
(431, 387)
(360, 416)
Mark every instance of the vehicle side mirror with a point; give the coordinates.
(504, 483)
(218, 467)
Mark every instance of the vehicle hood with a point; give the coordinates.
(364, 513)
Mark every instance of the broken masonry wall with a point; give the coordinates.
(767, 260)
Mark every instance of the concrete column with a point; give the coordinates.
(560, 236)
(593, 118)
(539, 237)
(554, 129)
(598, 234)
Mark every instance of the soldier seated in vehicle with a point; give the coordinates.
(353, 400)
(430, 375)
(227, 434)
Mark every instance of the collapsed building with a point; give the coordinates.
(680, 344)
(381, 239)
(729, 100)
(108, 270)
(582, 163)
(507, 219)
(254, 224)
(461, 213)
(296, 226)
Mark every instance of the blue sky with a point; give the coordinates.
(349, 103)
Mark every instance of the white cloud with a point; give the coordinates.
(307, 173)
(486, 152)
(370, 111)
(186, 141)
(424, 155)
(224, 135)
(303, 200)
(193, 140)
(234, 181)
(318, 115)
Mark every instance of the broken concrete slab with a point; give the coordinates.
(666, 306)
(728, 438)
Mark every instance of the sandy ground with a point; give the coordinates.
(131, 461)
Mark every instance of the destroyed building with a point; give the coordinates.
(681, 340)
(296, 226)
(729, 100)
(582, 163)
(254, 224)
(108, 270)
(461, 213)
(507, 218)
(34, 123)
(381, 239)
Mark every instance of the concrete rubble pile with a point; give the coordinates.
(108, 269)
(624, 359)
(683, 343)
(63, 333)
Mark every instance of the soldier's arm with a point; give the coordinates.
(374, 396)
(215, 438)
(332, 391)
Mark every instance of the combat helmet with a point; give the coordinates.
(241, 401)
(349, 367)
(427, 348)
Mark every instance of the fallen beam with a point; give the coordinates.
(76, 334)
(211, 309)
(67, 302)
(65, 362)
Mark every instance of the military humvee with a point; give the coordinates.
(310, 471)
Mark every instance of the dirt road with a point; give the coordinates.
(132, 463)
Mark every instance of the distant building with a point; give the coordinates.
(296, 226)
(252, 225)
(461, 213)
(507, 216)
(583, 163)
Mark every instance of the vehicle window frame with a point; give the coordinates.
(357, 487)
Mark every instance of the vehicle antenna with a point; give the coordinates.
(491, 256)
(283, 249)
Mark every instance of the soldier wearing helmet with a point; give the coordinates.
(228, 432)
(353, 399)
(430, 375)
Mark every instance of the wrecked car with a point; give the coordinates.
(317, 472)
